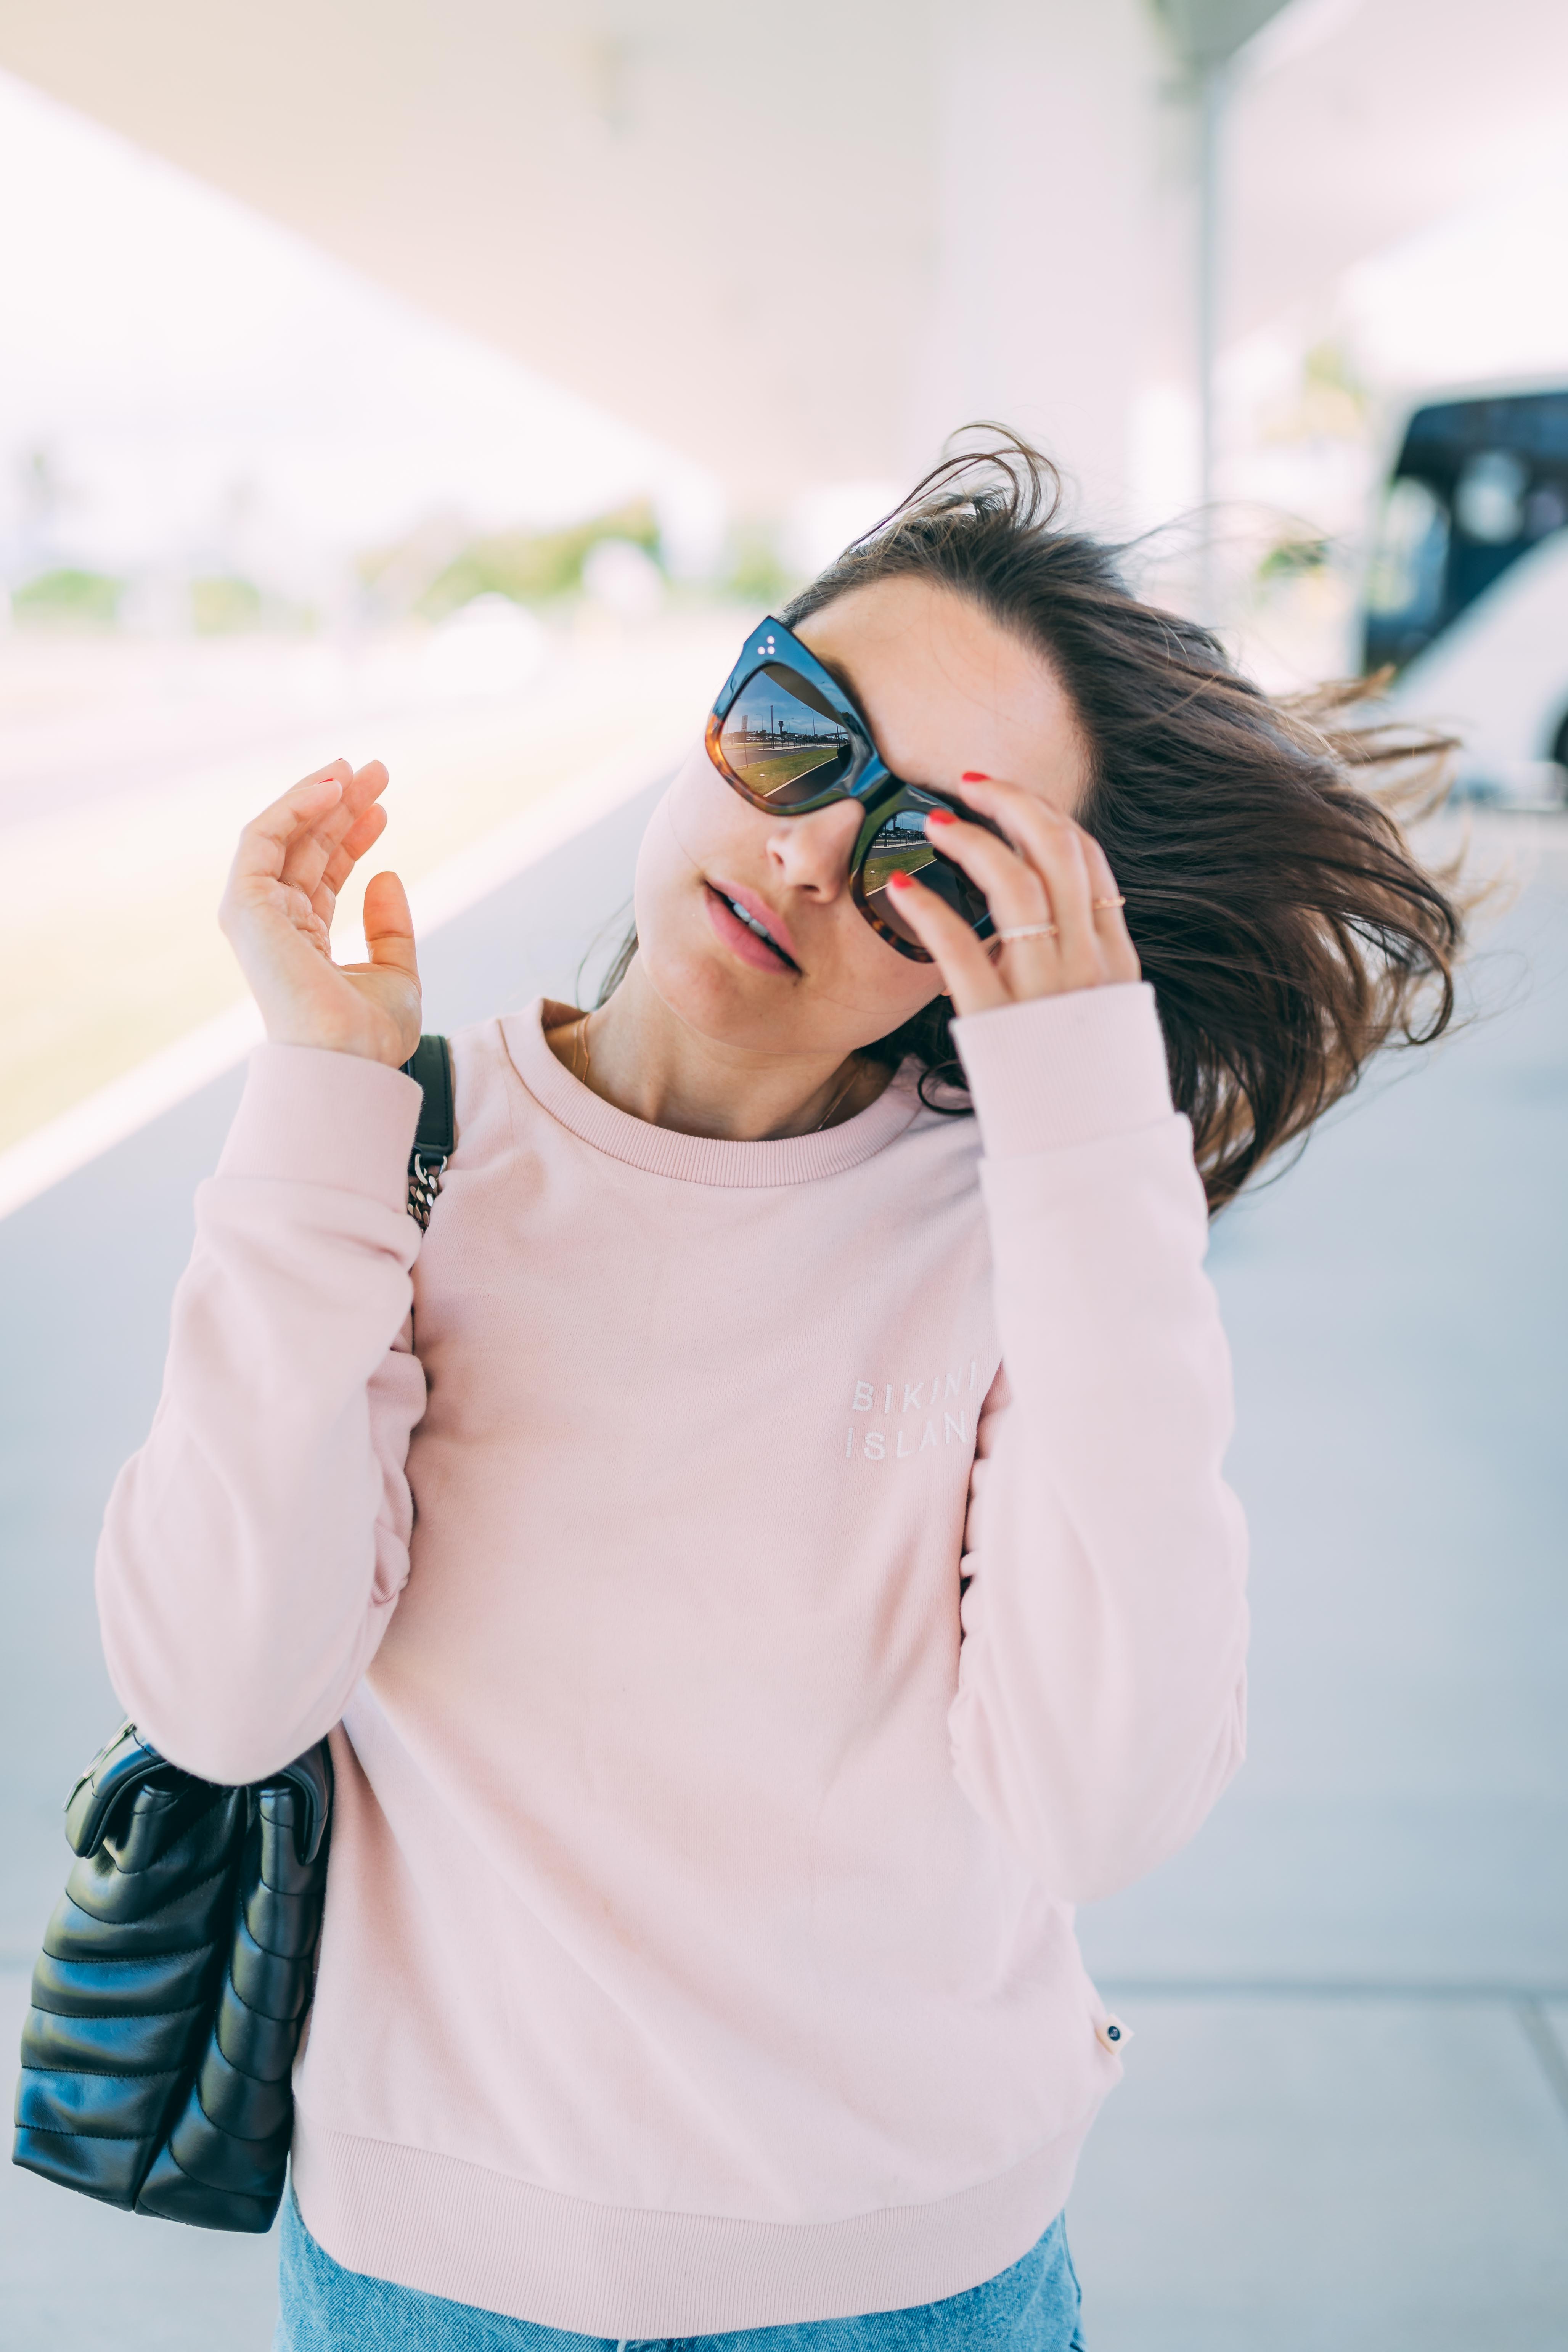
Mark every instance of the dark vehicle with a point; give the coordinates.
(1478, 484)
(1466, 593)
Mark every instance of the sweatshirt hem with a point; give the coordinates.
(442, 2225)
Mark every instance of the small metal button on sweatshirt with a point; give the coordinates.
(1111, 2033)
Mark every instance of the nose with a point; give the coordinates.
(812, 853)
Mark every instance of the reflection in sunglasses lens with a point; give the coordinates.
(785, 743)
(900, 845)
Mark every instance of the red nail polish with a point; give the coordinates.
(940, 816)
(898, 881)
(975, 776)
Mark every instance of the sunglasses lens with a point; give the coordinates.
(784, 742)
(901, 846)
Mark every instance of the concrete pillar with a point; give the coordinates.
(1049, 138)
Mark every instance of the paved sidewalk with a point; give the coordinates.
(1345, 2118)
(1328, 2174)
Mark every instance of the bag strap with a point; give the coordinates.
(430, 1067)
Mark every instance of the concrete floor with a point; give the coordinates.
(1345, 2117)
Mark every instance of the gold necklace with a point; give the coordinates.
(580, 1037)
(581, 1070)
(839, 1097)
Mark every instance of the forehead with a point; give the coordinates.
(945, 688)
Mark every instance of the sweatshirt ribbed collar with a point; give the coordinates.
(697, 1159)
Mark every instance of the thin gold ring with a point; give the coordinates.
(1100, 906)
(1027, 931)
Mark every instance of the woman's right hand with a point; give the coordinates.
(277, 915)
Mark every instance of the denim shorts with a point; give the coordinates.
(1033, 2307)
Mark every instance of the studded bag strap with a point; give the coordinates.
(430, 1066)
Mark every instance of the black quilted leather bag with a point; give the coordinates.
(172, 1991)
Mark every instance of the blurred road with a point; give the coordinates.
(1345, 2117)
(128, 766)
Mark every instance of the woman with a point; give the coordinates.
(763, 1551)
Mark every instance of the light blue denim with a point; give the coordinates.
(1033, 2307)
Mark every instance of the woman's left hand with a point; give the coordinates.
(1048, 877)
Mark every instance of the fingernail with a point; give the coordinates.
(940, 816)
(898, 881)
(975, 776)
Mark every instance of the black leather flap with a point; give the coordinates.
(124, 1764)
(302, 1796)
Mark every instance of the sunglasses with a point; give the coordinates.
(785, 735)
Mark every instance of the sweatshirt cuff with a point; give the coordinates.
(1057, 1071)
(312, 1116)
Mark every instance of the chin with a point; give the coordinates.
(717, 997)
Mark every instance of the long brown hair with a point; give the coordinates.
(1286, 926)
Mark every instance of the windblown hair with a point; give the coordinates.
(1287, 927)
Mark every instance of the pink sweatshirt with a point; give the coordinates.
(739, 1675)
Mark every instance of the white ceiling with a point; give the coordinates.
(1400, 113)
(798, 245)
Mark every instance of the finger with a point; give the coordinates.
(264, 842)
(362, 789)
(1109, 920)
(312, 847)
(366, 785)
(362, 835)
(366, 828)
(1055, 847)
(968, 975)
(389, 926)
(1015, 891)
(313, 854)
(1100, 946)
(1025, 816)
(1016, 899)
(1040, 833)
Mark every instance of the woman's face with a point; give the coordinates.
(943, 690)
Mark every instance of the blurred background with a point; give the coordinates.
(453, 385)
